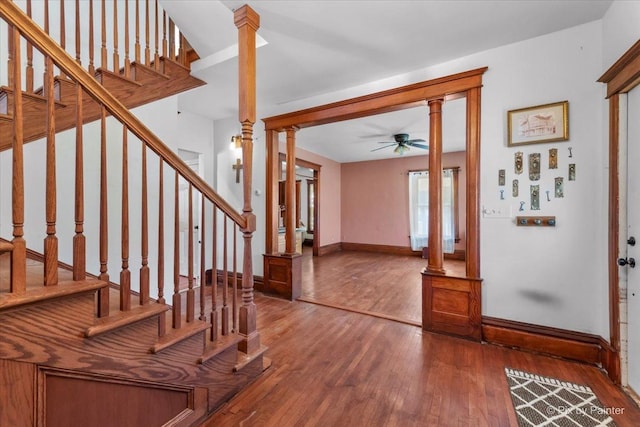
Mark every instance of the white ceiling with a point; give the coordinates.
(316, 47)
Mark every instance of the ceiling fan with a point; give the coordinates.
(402, 143)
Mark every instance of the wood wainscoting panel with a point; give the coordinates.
(451, 305)
(17, 393)
(68, 398)
(282, 276)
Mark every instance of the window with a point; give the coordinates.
(419, 209)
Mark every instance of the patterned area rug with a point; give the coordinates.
(542, 401)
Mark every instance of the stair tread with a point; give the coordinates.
(43, 293)
(176, 335)
(110, 74)
(124, 318)
(244, 359)
(149, 70)
(5, 90)
(221, 344)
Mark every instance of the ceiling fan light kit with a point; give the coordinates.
(402, 144)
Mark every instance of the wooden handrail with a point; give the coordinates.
(11, 13)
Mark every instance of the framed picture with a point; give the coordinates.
(542, 123)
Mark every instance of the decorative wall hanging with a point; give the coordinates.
(548, 196)
(501, 194)
(570, 152)
(572, 171)
(553, 158)
(521, 208)
(549, 221)
(542, 123)
(514, 188)
(518, 165)
(534, 166)
(501, 177)
(559, 187)
(535, 197)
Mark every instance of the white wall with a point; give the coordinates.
(621, 29)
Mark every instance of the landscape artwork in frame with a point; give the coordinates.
(542, 123)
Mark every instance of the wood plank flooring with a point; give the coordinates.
(336, 367)
(388, 286)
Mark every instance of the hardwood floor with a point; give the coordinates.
(338, 368)
(336, 364)
(383, 285)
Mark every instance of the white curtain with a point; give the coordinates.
(419, 210)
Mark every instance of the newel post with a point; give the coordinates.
(247, 21)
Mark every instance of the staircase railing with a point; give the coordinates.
(222, 314)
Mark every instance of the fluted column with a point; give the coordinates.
(290, 193)
(436, 257)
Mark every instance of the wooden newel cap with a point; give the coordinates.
(246, 16)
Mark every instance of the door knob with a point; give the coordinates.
(631, 241)
(627, 261)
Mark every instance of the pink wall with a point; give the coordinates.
(375, 199)
(330, 208)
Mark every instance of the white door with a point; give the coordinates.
(633, 250)
(184, 224)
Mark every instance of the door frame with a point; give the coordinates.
(466, 84)
(620, 78)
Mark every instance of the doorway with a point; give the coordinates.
(629, 256)
(189, 229)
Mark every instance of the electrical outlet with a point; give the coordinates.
(496, 212)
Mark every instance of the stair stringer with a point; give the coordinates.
(49, 336)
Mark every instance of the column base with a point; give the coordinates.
(283, 275)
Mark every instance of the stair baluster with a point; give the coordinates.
(203, 250)
(225, 281)
(103, 299)
(125, 274)
(19, 254)
(51, 241)
(147, 52)
(144, 233)
(164, 34)
(77, 33)
(177, 300)
(190, 292)
(127, 60)
(234, 293)
(79, 240)
(92, 68)
(214, 276)
(162, 326)
(63, 36)
(103, 46)
(116, 56)
(29, 69)
(172, 40)
(156, 55)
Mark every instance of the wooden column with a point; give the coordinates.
(271, 191)
(290, 193)
(436, 257)
(473, 183)
(247, 21)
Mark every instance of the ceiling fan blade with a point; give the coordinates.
(386, 142)
(413, 144)
(416, 140)
(386, 146)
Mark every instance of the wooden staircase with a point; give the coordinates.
(119, 349)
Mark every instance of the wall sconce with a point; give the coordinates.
(236, 146)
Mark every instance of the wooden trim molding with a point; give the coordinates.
(329, 249)
(621, 77)
(624, 74)
(578, 346)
